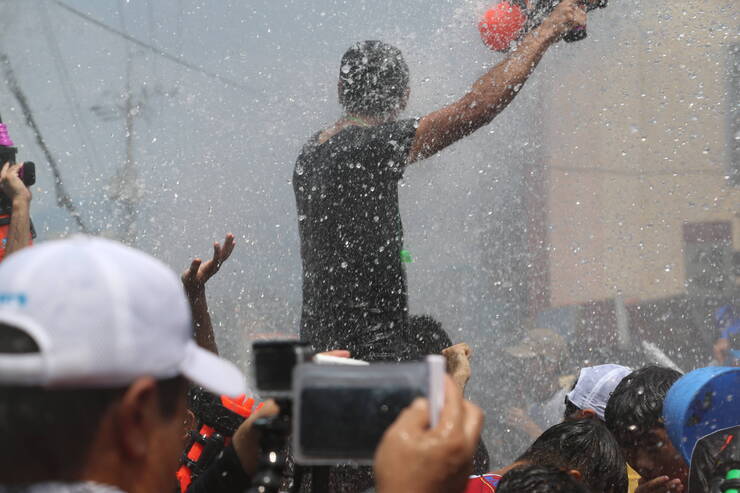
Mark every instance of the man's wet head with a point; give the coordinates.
(373, 81)
(634, 414)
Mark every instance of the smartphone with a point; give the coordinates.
(340, 413)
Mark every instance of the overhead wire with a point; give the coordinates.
(68, 89)
(173, 58)
(63, 198)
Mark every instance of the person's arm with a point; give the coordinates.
(518, 418)
(494, 91)
(19, 230)
(194, 280)
(233, 469)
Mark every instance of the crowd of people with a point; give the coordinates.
(106, 355)
(96, 362)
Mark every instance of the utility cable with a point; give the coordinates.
(63, 198)
(68, 89)
(173, 58)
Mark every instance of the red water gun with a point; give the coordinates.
(509, 20)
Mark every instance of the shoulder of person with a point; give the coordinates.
(483, 483)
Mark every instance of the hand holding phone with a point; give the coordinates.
(414, 457)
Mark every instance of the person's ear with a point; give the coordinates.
(137, 418)
(190, 423)
(575, 474)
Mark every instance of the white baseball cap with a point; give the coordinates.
(595, 385)
(102, 315)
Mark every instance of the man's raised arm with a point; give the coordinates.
(493, 91)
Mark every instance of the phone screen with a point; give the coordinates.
(349, 422)
(341, 413)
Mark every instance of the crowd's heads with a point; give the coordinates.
(373, 80)
(585, 446)
(591, 392)
(634, 414)
(95, 352)
(539, 479)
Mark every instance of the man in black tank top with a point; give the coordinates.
(346, 187)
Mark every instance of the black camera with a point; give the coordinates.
(27, 172)
(340, 407)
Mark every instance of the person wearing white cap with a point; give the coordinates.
(592, 390)
(589, 396)
(96, 350)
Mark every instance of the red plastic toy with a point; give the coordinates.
(501, 25)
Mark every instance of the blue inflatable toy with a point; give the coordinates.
(700, 403)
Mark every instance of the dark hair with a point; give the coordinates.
(636, 405)
(570, 408)
(47, 433)
(425, 335)
(373, 79)
(539, 479)
(585, 445)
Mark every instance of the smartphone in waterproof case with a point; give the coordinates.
(341, 412)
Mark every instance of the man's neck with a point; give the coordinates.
(364, 121)
(351, 120)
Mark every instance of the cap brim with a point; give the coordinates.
(215, 374)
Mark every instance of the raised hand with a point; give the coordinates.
(195, 278)
(11, 184)
(458, 363)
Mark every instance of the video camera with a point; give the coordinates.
(340, 407)
(335, 409)
(8, 153)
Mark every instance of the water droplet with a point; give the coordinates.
(344, 265)
(346, 68)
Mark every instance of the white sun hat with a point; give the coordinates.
(595, 385)
(102, 315)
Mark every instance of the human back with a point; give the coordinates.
(346, 187)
